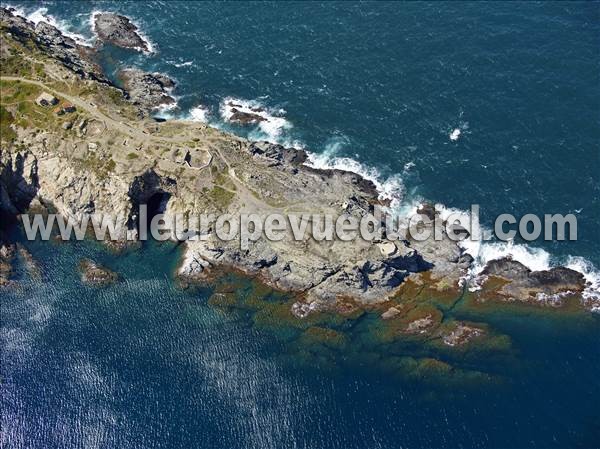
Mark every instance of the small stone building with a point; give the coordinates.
(65, 108)
(45, 99)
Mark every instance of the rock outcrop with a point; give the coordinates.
(95, 274)
(118, 30)
(249, 117)
(522, 284)
(148, 90)
(49, 40)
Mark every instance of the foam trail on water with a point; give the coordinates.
(180, 64)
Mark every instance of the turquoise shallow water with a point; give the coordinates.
(146, 364)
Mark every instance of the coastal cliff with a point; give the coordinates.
(109, 157)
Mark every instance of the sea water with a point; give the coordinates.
(458, 103)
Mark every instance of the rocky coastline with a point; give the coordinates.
(120, 159)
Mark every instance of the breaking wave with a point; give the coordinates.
(270, 124)
(390, 188)
(536, 259)
(592, 276)
(199, 113)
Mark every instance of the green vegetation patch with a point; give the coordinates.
(6, 119)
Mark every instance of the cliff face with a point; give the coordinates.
(104, 158)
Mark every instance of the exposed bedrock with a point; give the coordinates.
(48, 39)
(147, 90)
(523, 284)
(118, 30)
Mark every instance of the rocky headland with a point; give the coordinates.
(112, 158)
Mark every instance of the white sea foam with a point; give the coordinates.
(536, 259)
(41, 15)
(166, 111)
(182, 64)
(199, 113)
(390, 188)
(457, 132)
(409, 166)
(272, 128)
(592, 277)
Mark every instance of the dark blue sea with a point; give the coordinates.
(459, 103)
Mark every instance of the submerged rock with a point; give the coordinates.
(29, 262)
(7, 254)
(420, 326)
(119, 31)
(95, 274)
(462, 334)
(390, 313)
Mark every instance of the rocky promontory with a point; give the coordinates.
(111, 161)
(118, 30)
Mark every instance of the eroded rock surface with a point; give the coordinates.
(522, 284)
(119, 31)
(148, 90)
